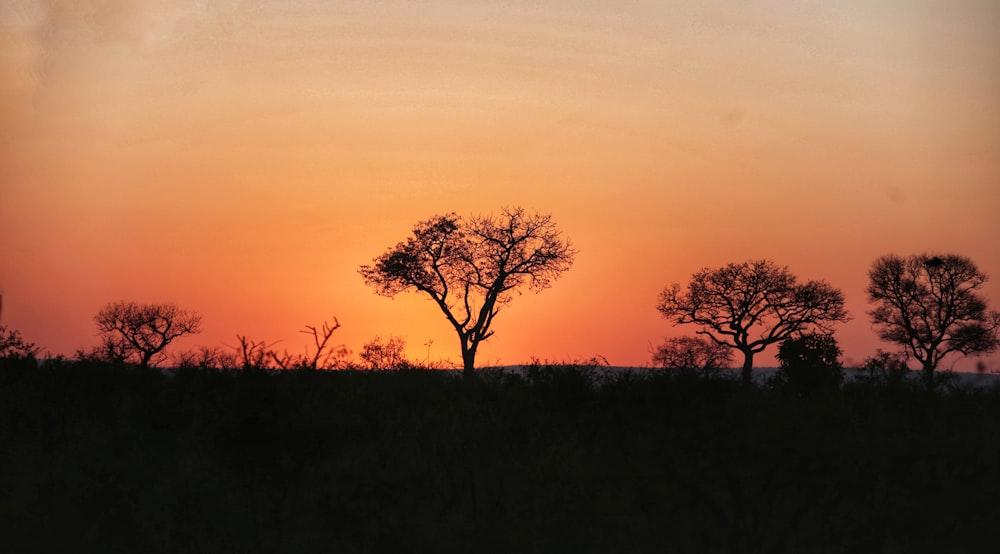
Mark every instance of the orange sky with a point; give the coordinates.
(243, 158)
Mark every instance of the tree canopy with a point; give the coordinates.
(470, 267)
(930, 306)
(749, 306)
(140, 332)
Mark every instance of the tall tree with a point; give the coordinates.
(142, 331)
(470, 267)
(749, 306)
(929, 305)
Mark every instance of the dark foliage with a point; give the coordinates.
(692, 356)
(384, 354)
(809, 363)
(105, 458)
(14, 347)
(884, 370)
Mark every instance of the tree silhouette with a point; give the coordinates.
(252, 354)
(387, 354)
(140, 332)
(692, 354)
(751, 305)
(206, 357)
(14, 347)
(470, 267)
(325, 356)
(809, 362)
(928, 304)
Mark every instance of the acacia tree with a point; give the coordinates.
(141, 331)
(694, 354)
(749, 306)
(929, 305)
(470, 267)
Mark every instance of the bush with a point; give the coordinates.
(809, 363)
(692, 357)
(884, 369)
(14, 347)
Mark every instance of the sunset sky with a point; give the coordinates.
(243, 158)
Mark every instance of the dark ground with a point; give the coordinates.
(96, 458)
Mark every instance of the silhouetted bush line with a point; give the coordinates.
(98, 457)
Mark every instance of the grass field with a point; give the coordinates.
(99, 458)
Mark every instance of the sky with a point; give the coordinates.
(244, 158)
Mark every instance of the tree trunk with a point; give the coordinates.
(468, 359)
(928, 373)
(747, 368)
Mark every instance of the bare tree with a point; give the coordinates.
(325, 356)
(470, 267)
(251, 354)
(752, 305)
(692, 354)
(140, 332)
(929, 305)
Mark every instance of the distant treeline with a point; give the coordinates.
(99, 457)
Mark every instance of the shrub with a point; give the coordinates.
(884, 369)
(809, 363)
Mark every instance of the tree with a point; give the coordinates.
(388, 354)
(751, 305)
(809, 362)
(325, 356)
(929, 305)
(692, 354)
(140, 332)
(206, 357)
(884, 369)
(252, 354)
(470, 267)
(14, 347)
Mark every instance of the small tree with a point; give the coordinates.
(140, 332)
(470, 267)
(808, 363)
(206, 357)
(929, 305)
(751, 305)
(886, 369)
(388, 354)
(14, 347)
(324, 357)
(251, 354)
(693, 355)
